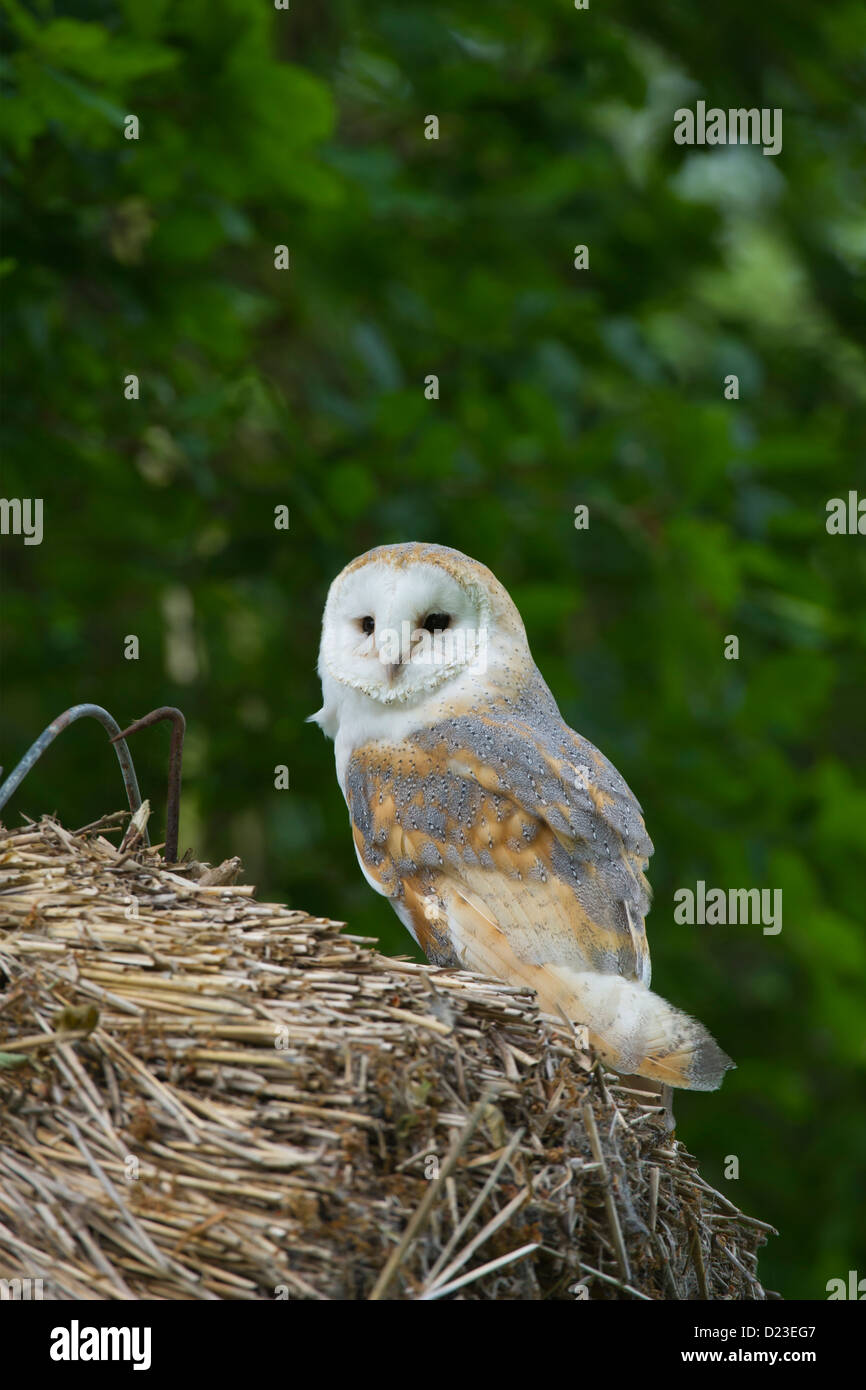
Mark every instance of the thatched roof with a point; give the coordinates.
(203, 1096)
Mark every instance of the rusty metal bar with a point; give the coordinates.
(175, 756)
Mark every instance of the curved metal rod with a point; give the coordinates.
(69, 716)
(172, 807)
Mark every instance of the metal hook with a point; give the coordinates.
(47, 737)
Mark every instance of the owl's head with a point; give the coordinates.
(405, 621)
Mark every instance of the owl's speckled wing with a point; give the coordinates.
(505, 841)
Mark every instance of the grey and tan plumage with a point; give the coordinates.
(505, 842)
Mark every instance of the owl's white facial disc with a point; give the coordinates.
(398, 633)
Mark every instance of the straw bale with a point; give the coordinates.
(204, 1096)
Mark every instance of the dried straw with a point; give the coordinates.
(205, 1096)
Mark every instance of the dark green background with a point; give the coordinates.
(558, 387)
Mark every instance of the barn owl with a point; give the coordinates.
(505, 842)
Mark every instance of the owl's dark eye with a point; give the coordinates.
(367, 625)
(437, 622)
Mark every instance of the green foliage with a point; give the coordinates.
(304, 387)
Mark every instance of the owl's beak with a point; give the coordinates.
(393, 669)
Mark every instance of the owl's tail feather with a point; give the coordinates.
(634, 1030)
